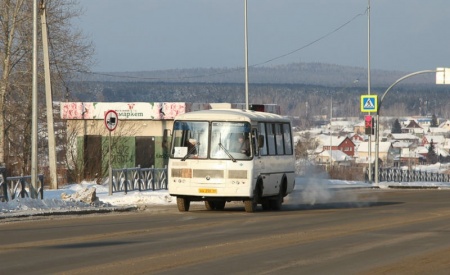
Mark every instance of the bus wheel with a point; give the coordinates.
(183, 204)
(209, 205)
(276, 202)
(250, 206)
(266, 204)
(219, 205)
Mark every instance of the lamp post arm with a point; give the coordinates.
(377, 130)
(399, 80)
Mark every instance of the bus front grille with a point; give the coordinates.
(213, 174)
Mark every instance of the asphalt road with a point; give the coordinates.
(355, 232)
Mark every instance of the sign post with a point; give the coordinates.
(111, 121)
(369, 103)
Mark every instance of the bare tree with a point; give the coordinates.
(69, 53)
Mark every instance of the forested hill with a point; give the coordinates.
(308, 99)
(294, 73)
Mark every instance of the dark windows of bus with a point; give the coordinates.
(287, 138)
(262, 132)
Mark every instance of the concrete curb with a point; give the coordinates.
(80, 211)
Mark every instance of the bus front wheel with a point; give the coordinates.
(251, 203)
(250, 206)
(183, 204)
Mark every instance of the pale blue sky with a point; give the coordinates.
(140, 35)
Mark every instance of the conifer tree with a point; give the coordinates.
(396, 127)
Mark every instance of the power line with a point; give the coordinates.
(313, 42)
(227, 71)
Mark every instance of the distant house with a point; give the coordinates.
(337, 158)
(343, 144)
(405, 137)
(422, 150)
(445, 125)
(409, 159)
(437, 140)
(385, 150)
(424, 121)
(412, 127)
(435, 131)
(356, 138)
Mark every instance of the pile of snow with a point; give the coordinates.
(81, 197)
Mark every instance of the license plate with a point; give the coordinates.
(207, 191)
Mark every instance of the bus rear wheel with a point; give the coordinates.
(209, 205)
(266, 204)
(275, 204)
(183, 204)
(220, 205)
(277, 201)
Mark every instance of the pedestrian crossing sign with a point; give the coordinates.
(369, 103)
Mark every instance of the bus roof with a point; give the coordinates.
(231, 115)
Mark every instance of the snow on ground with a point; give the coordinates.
(308, 190)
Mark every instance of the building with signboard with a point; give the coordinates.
(141, 137)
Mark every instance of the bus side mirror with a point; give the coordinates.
(260, 141)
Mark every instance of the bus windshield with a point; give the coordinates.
(190, 139)
(228, 140)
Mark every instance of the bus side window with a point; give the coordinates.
(279, 139)
(271, 138)
(262, 132)
(287, 138)
(255, 142)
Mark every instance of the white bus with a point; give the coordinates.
(223, 155)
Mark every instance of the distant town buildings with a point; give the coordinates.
(344, 143)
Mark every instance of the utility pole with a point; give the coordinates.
(368, 87)
(331, 139)
(49, 102)
(34, 98)
(247, 106)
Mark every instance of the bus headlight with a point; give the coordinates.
(181, 173)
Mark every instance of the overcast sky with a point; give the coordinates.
(141, 35)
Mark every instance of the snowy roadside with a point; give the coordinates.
(61, 201)
(64, 201)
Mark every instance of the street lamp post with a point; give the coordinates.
(247, 106)
(369, 149)
(331, 139)
(444, 79)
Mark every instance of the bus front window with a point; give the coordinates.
(230, 140)
(189, 140)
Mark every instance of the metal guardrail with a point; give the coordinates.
(139, 179)
(400, 175)
(14, 187)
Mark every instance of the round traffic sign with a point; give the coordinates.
(111, 120)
